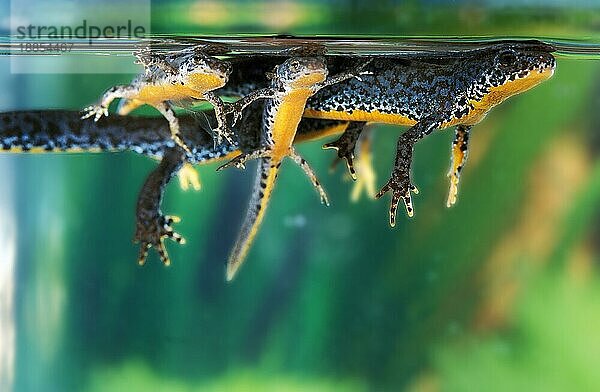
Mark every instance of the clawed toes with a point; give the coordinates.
(154, 236)
(169, 219)
(143, 252)
(160, 249)
(237, 115)
(94, 111)
(324, 198)
(162, 253)
(219, 135)
(348, 156)
(398, 192)
(168, 230)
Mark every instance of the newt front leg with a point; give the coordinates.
(152, 227)
(101, 109)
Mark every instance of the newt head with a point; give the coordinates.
(506, 70)
(302, 72)
(514, 68)
(201, 72)
(523, 68)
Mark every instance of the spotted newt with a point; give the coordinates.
(292, 83)
(186, 75)
(425, 92)
(60, 131)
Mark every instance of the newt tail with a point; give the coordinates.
(264, 182)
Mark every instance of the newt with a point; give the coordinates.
(181, 76)
(63, 131)
(292, 83)
(425, 92)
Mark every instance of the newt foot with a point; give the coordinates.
(401, 188)
(237, 162)
(344, 151)
(96, 111)
(152, 233)
(188, 176)
(220, 135)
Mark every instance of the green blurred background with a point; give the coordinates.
(499, 293)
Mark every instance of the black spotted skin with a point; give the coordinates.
(65, 131)
(447, 89)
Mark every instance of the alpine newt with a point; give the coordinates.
(424, 91)
(292, 83)
(43, 131)
(180, 76)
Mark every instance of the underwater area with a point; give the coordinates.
(501, 292)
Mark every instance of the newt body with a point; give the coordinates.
(429, 96)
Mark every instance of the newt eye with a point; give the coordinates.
(295, 65)
(507, 58)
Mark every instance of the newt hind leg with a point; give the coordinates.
(240, 160)
(223, 131)
(152, 227)
(267, 152)
(310, 174)
(166, 110)
(366, 176)
(346, 145)
(460, 147)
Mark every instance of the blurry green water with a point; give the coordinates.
(497, 293)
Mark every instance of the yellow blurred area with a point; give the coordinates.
(553, 182)
(278, 15)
